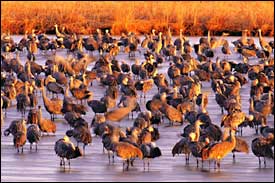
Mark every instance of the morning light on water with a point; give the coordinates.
(137, 91)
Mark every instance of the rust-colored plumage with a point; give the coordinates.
(233, 120)
(127, 151)
(220, 150)
(53, 106)
(19, 140)
(118, 114)
(172, 113)
(45, 125)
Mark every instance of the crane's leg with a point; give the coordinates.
(128, 164)
(259, 161)
(144, 165)
(219, 164)
(109, 157)
(36, 146)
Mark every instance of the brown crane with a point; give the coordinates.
(53, 106)
(127, 152)
(220, 150)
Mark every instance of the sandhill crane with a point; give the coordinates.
(33, 135)
(172, 114)
(69, 104)
(81, 134)
(74, 119)
(53, 86)
(16, 126)
(118, 114)
(264, 107)
(64, 148)
(241, 144)
(258, 117)
(19, 140)
(262, 147)
(149, 151)
(144, 86)
(44, 124)
(53, 106)
(127, 152)
(220, 150)
(235, 119)
(225, 48)
(264, 44)
(158, 44)
(23, 100)
(111, 135)
(181, 147)
(179, 41)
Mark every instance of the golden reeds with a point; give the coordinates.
(194, 17)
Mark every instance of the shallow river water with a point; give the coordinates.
(43, 165)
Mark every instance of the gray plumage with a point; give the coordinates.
(33, 135)
(64, 148)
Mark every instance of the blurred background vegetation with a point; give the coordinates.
(195, 18)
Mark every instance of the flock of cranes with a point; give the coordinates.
(179, 98)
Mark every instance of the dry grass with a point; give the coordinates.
(140, 17)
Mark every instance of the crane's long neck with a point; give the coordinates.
(28, 68)
(260, 35)
(26, 35)
(66, 94)
(57, 31)
(110, 68)
(199, 50)
(218, 63)
(39, 115)
(208, 37)
(134, 135)
(197, 132)
(182, 46)
(251, 105)
(225, 134)
(181, 37)
(160, 38)
(269, 98)
(45, 99)
(210, 68)
(71, 85)
(85, 82)
(26, 89)
(233, 139)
